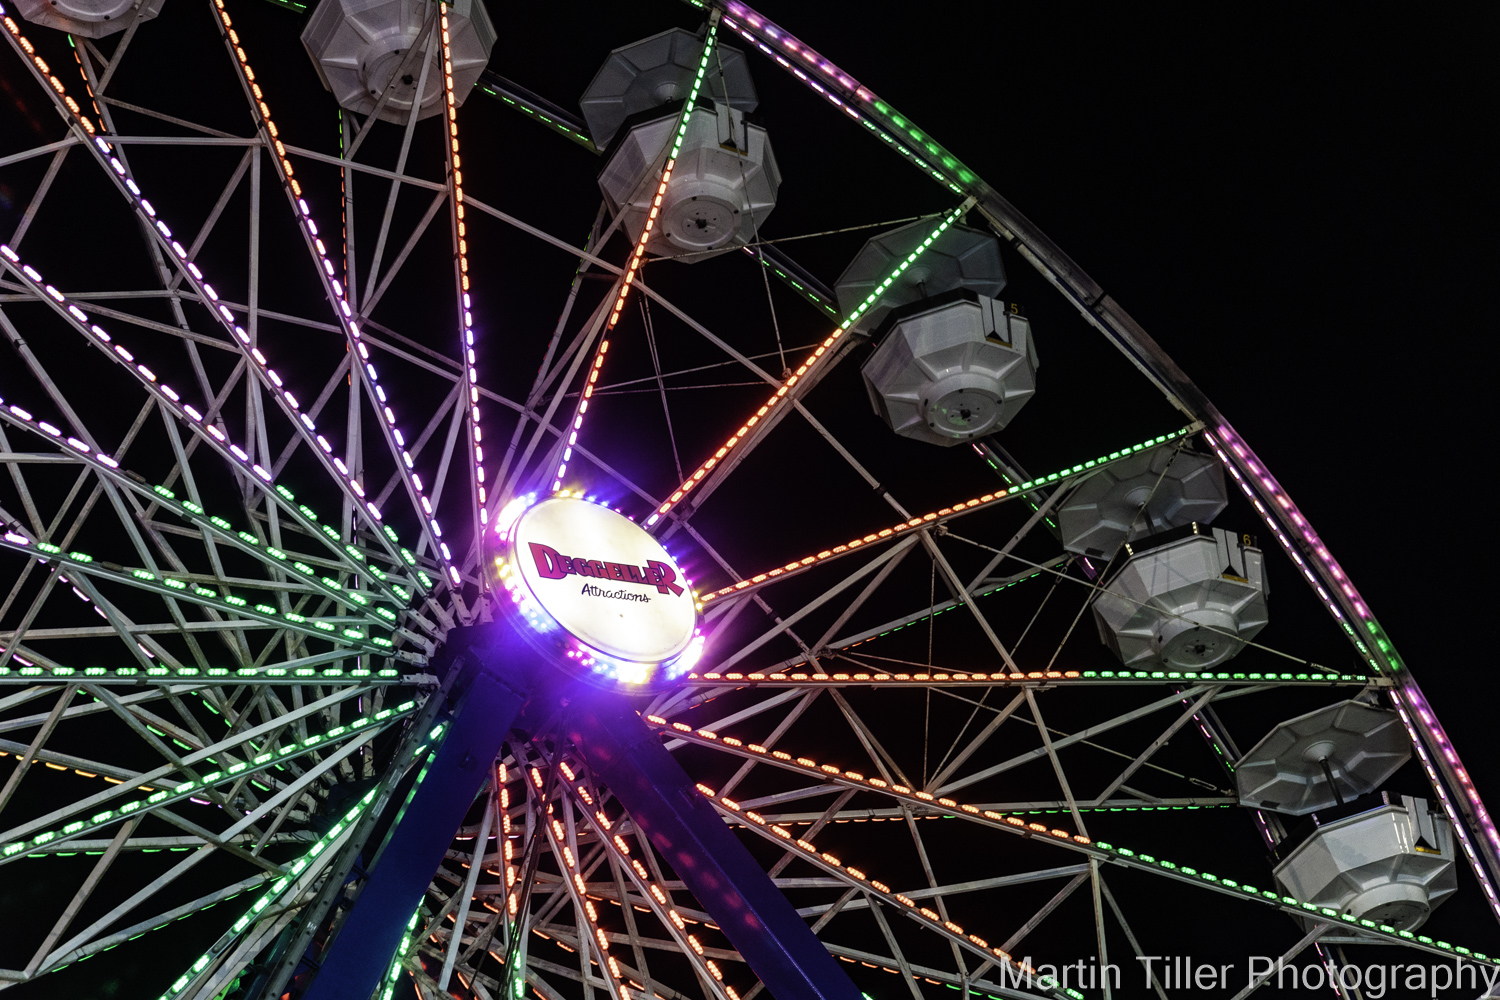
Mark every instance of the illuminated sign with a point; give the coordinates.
(608, 595)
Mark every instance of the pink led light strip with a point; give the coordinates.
(194, 277)
(810, 67)
(844, 92)
(636, 257)
(470, 385)
(1255, 481)
(344, 314)
(793, 55)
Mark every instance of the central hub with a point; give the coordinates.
(591, 586)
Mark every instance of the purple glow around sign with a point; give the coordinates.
(611, 670)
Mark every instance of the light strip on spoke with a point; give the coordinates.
(656, 898)
(637, 255)
(164, 797)
(194, 277)
(926, 802)
(779, 396)
(963, 507)
(213, 525)
(1410, 704)
(470, 380)
(277, 890)
(344, 314)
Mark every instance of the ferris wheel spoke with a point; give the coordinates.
(49, 828)
(927, 919)
(932, 519)
(343, 315)
(204, 429)
(810, 371)
(474, 466)
(656, 898)
(880, 563)
(1145, 755)
(43, 150)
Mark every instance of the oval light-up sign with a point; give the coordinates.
(606, 594)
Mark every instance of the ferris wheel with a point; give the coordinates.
(412, 585)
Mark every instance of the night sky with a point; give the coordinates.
(1298, 207)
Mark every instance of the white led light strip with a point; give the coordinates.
(345, 315)
(168, 398)
(638, 254)
(162, 234)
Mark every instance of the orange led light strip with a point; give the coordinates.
(828, 862)
(853, 779)
(1020, 827)
(576, 888)
(637, 255)
(963, 507)
(344, 313)
(821, 351)
(29, 53)
(855, 543)
(507, 851)
(194, 277)
(470, 385)
(656, 898)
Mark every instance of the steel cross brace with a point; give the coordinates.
(496, 686)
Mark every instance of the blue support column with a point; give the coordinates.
(719, 871)
(352, 967)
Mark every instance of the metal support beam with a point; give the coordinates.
(357, 959)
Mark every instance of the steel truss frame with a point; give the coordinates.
(315, 668)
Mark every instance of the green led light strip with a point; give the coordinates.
(276, 891)
(168, 796)
(168, 586)
(926, 520)
(1147, 862)
(388, 985)
(247, 542)
(161, 926)
(812, 360)
(637, 257)
(75, 318)
(818, 302)
(213, 675)
(537, 113)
